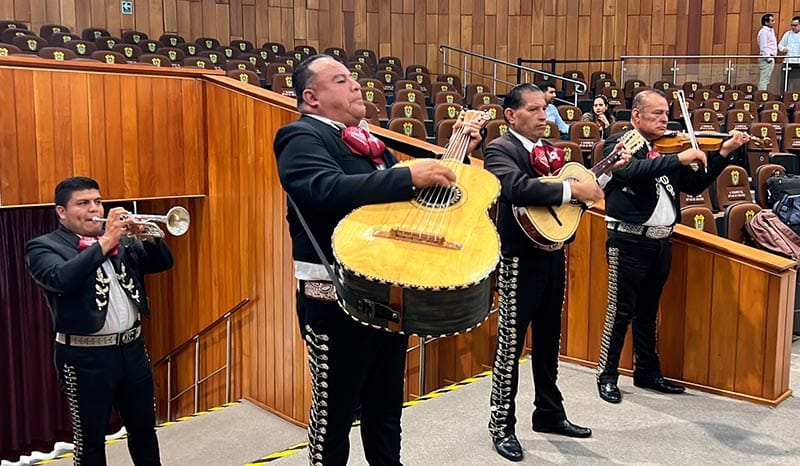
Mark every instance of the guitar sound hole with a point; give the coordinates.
(439, 197)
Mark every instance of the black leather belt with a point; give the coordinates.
(113, 339)
(652, 232)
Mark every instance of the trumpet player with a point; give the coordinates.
(92, 277)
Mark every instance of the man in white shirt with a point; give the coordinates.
(790, 45)
(767, 49)
(549, 90)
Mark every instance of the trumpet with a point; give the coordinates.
(176, 221)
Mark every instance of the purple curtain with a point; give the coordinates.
(33, 409)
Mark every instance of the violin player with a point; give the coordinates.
(641, 211)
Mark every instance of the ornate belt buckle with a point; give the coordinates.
(128, 337)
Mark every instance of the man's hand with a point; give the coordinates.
(586, 191)
(624, 156)
(116, 228)
(473, 130)
(737, 140)
(427, 173)
(690, 156)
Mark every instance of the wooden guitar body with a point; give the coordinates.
(423, 266)
(555, 224)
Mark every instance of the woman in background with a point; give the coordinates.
(600, 114)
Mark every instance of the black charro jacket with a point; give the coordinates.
(75, 284)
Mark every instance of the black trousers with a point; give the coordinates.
(95, 379)
(352, 366)
(531, 291)
(638, 267)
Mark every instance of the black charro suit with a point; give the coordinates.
(351, 364)
(639, 265)
(531, 289)
(95, 379)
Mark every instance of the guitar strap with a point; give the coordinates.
(367, 307)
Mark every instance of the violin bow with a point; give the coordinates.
(688, 121)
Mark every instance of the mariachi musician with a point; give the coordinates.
(93, 280)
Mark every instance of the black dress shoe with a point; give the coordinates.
(609, 392)
(659, 384)
(508, 447)
(565, 428)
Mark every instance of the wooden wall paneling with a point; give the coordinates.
(43, 125)
(724, 323)
(110, 98)
(10, 187)
(777, 354)
(750, 343)
(579, 276)
(597, 283)
(130, 133)
(672, 313)
(78, 104)
(697, 321)
(145, 113)
(97, 126)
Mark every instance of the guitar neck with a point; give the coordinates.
(604, 166)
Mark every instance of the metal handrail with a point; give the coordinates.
(197, 380)
(728, 69)
(580, 86)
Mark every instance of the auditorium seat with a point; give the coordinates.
(155, 59)
(445, 111)
(133, 37)
(790, 99)
(47, 30)
(672, 94)
(245, 76)
(444, 129)
(777, 118)
(198, 62)
(109, 56)
(391, 60)
(596, 76)
(370, 83)
(748, 88)
(131, 52)
(282, 84)
(276, 48)
(243, 46)
(630, 85)
(762, 174)
(731, 96)
(495, 129)
(257, 62)
(448, 97)
(703, 199)
(603, 84)
(705, 119)
(738, 119)
(308, 50)
(569, 113)
(59, 39)
(735, 217)
(483, 98)
(441, 86)
(410, 95)
(372, 115)
(551, 132)
(357, 74)
(495, 110)
(174, 54)
(207, 43)
(276, 68)
(173, 40)
(748, 106)
(390, 67)
(94, 33)
(596, 153)
(377, 97)
(690, 87)
(699, 218)
(337, 53)
(13, 24)
(405, 109)
(7, 35)
(775, 105)
(424, 81)
(731, 186)
(474, 88)
(619, 126)
(701, 95)
(763, 131)
(240, 65)
(676, 113)
(8, 49)
(217, 58)
(410, 127)
(719, 88)
(663, 85)
(451, 79)
(369, 55)
(416, 68)
(718, 106)
(388, 78)
(567, 87)
(107, 42)
(229, 52)
(616, 99)
(406, 84)
(791, 138)
(572, 151)
(761, 97)
(298, 55)
(57, 53)
(28, 44)
(586, 134)
(151, 46)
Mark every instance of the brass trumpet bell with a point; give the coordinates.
(176, 220)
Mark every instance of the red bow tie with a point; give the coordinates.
(653, 154)
(362, 142)
(547, 160)
(88, 241)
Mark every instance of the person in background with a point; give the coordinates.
(93, 278)
(330, 164)
(790, 45)
(600, 114)
(767, 50)
(549, 90)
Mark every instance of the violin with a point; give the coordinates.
(674, 142)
